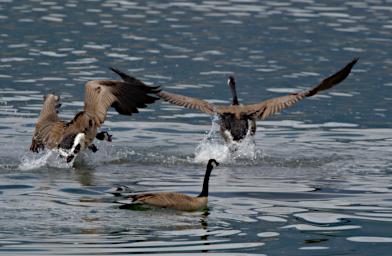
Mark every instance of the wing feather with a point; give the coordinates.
(271, 106)
(125, 96)
(188, 102)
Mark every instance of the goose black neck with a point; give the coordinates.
(204, 192)
(234, 94)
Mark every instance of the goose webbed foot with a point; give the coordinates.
(93, 148)
(104, 136)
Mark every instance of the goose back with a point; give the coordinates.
(172, 200)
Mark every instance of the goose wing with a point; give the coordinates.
(188, 102)
(125, 96)
(44, 134)
(271, 106)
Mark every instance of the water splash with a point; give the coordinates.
(49, 158)
(212, 146)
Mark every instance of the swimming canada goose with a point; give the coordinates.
(236, 121)
(176, 200)
(69, 138)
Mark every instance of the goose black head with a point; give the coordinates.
(212, 163)
(104, 136)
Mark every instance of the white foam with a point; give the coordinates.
(213, 147)
(28, 163)
(49, 158)
(208, 149)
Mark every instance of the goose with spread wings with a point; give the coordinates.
(237, 120)
(126, 96)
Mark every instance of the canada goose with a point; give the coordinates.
(175, 200)
(236, 121)
(69, 138)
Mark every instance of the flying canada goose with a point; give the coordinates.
(236, 121)
(69, 138)
(175, 200)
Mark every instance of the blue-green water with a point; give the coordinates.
(317, 181)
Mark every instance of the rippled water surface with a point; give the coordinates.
(317, 180)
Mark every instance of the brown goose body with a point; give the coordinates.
(237, 121)
(172, 200)
(125, 96)
(178, 201)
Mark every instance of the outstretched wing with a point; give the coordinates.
(269, 107)
(48, 118)
(188, 102)
(125, 96)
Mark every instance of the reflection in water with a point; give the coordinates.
(204, 226)
(85, 177)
